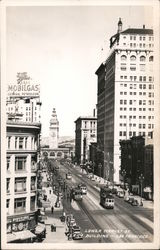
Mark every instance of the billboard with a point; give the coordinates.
(25, 87)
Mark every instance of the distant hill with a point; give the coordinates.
(62, 139)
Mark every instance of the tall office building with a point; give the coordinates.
(125, 105)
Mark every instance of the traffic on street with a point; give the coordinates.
(95, 210)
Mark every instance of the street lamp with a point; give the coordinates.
(141, 179)
(123, 174)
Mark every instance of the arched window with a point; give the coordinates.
(133, 58)
(151, 59)
(45, 154)
(52, 153)
(142, 58)
(59, 154)
(123, 58)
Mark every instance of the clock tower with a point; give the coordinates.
(53, 130)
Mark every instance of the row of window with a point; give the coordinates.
(20, 184)
(134, 109)
(150, 94)
(91, 124)
(20, 204)
(134, 133)
(135, 78)
(141, 38)
(142, 67)
(133, 58)
(21, 142)
(134, 102)
(20, 163)
(140, 117)
(139, 125)
(134, 86)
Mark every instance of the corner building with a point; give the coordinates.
(21, 179)
(127, 95)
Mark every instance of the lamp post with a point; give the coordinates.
(141, 179)
(123, 174)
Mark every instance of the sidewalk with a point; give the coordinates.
(59, 235)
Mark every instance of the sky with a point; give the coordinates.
(61, 48)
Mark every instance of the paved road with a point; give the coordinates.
(124, 223)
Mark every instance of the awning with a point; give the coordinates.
(11, 237)
(40, 228)
(22, 235)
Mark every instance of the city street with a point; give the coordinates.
(124, 223)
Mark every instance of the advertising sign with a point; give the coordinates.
(25, 87)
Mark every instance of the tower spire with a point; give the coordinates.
(119, 25)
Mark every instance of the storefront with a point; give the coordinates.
(21, 228)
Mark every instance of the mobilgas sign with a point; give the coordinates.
(25, 88)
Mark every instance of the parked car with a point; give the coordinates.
(77, 236)
(83, 188)
(134, 203)
(120, 194)
(131, 199)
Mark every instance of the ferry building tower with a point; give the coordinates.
(54, 130)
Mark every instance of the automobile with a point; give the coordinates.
(68, 176)
(71, 223)
(131, 199)
(120, 194)
(114, 191)
(76, 228)
(126, 198)
(134, 203)
(83, 188)
(77, 236)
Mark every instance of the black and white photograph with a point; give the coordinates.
(80, 124)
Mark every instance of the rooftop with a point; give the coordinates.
(142, 31)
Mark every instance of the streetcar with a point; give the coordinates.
(77, 194)
(106, 197)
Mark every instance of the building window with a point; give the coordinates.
(8, 163)
(144, 78)
(123, 58)
(132, 68)
(19, 205)
(123, 68)
(21, 143)
(32, 203)
(124, 133)
(33, 183)
(135, 78)
(150, 78)
(140, 78)
(9, 142)
(20, 185)
(120, 133)
(20, 163)
(125, 77)
(8, 185)
(142, 58)
(7, 205)
(16, 142)
(151, 59)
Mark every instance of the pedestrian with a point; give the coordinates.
(52, 209)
